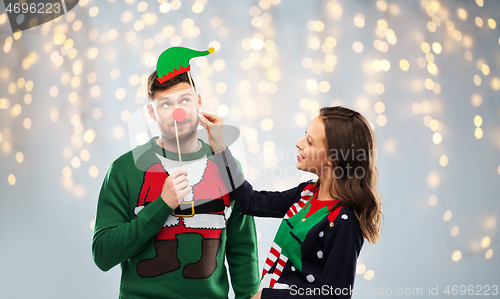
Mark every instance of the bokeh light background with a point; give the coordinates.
(425, 74)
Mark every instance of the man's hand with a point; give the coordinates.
(175, 187)
(214, 125)
(257, 296)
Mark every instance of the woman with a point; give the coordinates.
(324, 223)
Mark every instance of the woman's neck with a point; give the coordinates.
(324, 190)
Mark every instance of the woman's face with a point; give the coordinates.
(313, 153)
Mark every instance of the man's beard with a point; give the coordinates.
(185, 134)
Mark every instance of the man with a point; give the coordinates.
(170, 227)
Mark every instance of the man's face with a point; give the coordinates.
(166, 101)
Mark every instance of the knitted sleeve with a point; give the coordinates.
(117, 237)
(241, 254)
(251, 202)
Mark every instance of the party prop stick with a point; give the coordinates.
(178, 148)
(194, 92)
(179, 115)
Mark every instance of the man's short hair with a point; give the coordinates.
(154, 85)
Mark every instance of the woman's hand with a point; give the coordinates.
(214, 125)
(257, 296)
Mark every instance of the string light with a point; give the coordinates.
(369, 275)
(433, 200)
(456, 256)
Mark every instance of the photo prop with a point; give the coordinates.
(175, 60)
(172, 62)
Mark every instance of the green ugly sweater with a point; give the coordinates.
(167, 253)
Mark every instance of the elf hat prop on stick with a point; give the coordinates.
(175, 60)
(172, 62)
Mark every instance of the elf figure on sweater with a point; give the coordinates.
(203, 211)
(164, 212)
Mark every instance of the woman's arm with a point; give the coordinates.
(252, 202)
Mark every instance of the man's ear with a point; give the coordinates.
(151, 111)
(199, 101)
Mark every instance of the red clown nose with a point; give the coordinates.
(179, 114)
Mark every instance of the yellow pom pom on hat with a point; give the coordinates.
(175, 60)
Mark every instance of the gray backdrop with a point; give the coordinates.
(276, 64)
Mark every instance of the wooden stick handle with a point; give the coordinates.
(178, 146)
(194, 92)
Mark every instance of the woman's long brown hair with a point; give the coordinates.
(352, 150)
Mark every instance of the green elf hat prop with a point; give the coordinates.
(175, 60)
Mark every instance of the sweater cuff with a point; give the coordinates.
(228, 169)
(158, 211)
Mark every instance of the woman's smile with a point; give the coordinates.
(300, 157)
